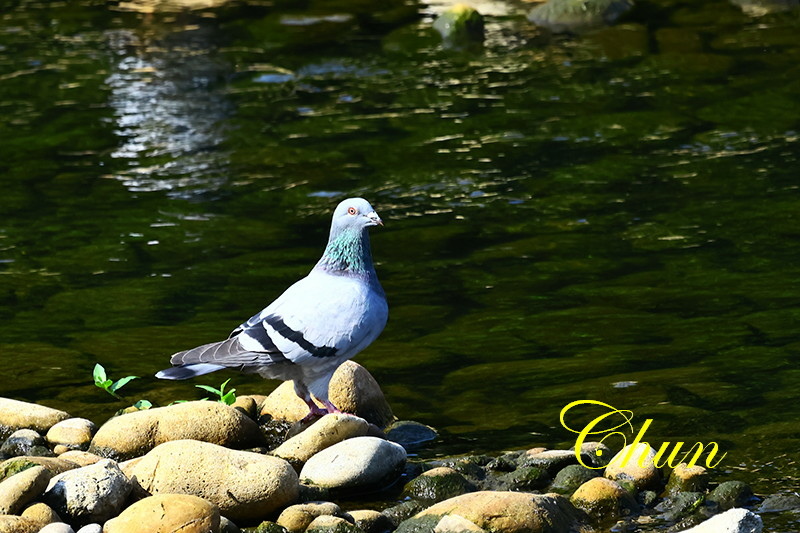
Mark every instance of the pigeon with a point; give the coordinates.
(316, 325)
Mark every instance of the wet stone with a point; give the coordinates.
(437, 484)
(776, 503)
(730, 494)
(571, 477)
(525, 478)
(550, 460)
(410, 435)
(687, 479)
(24, 442)
(680, 505)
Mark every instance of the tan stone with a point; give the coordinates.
(453, 523)
(73, 433)
(603, 499)
(19, 489)
(167, 513)
(352, 389)
(509, 512)
(18, 524)
(635, 464)
(41, 513)
(55, 465)
(80, 458)
(325, 432)
(687, 479)
(371, 521)
(15, 415)
(244, 485)
(298, 517)
(328, 522)
(134, 434)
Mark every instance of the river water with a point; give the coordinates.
(610, 216)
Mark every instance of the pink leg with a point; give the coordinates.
(314, 410)
(330, 407)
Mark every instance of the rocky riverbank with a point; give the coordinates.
(209, 467)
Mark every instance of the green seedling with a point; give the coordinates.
(101, 380)
(223, 397)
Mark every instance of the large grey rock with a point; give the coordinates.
(15, 415)
(244, 485)
(134, 434)
(578, 15)
(91, 493)
(19, 489)
(361, 463)
(736, 520)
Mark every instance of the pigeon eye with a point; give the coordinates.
(352, 210)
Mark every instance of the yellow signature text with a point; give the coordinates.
(604, 425)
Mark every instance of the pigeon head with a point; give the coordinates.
(354, 213)
(348, 249)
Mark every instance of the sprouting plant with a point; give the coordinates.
(224, 397)
(101, 380)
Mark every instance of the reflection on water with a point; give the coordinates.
(168, 99)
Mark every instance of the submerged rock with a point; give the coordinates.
(357, 464)
(16, 415)
(134, 434)
(410, 435)
(167, 512)
(578, 15)
(244, 485)
(730, 494)
(460, 25)
(759, 8)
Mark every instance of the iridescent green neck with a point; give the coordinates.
(348, 252)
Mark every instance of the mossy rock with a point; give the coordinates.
(571, 477)
(460, 25)
(578, 15)
(730, 494)
(437, 485)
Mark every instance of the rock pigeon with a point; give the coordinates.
(317, 324)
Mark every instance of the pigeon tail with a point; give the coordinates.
(188, 371)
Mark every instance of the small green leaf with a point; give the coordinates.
(122, 382)
(212, 390)
(229, 398)
(99, 373)
(104, 384)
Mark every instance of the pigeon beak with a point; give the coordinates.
(376, 220)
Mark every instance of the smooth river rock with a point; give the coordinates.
(325, 432)
(360, 463)
(91, 493)
(134, 434)
(296, 518)
(19, 489)
(603, 499)
(167, 513)
(72, 433)
(244, 485)
(504, 512)
(635, 465)
(352, 389)
(15, 415)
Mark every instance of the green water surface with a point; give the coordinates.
(609, 216)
